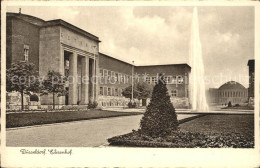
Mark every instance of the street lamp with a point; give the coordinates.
(94, 74)
(132, 82)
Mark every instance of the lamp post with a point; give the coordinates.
(94, 74)
(132, 82)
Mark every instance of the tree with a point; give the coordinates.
(23, 78)
(160, 118)
(142, 90)
(54, 83)
(127, 92)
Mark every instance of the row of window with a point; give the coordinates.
(118, 77)
(107, 91)
(231, 94)
(168, 79)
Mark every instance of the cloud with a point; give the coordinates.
(161, 34)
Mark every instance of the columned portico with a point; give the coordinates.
(73, 59)
(80, 70)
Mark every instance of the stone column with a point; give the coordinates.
(97, 79)
(73, 59)
(85, 80)
(61, 99)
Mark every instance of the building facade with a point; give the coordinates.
(54, 45)
(251, 88)
(231, 91)
(114, 76)
(62, 47)
(176, 78)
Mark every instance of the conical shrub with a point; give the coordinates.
(160, 118)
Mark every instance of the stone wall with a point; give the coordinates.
(178, 102)
(13, 102)
(114, 101)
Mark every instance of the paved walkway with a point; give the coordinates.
(89, 133)
(188, 111)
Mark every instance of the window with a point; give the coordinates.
(109, 91)
(101, 91)
(253, 77)
(147, 79)
(174, 80)
(119, 77)
(112, 73)
(101, 72)
(108, 73)
(26, 52)
(154, 79)
(105, 73)
(112, 91)
(119, 92)
(116, 92)
(169, 80)
(174, 93)
(116, 76)
(180, 79)
(124, 78)
(105, 91)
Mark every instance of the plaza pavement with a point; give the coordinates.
(88, 133)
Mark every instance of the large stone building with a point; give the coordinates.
(231, 91)
(62, 47)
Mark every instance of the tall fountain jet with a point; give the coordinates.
(197, 83)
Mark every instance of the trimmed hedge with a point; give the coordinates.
(179, 139)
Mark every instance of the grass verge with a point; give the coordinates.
(38, 118)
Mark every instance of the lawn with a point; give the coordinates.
(221, 124)
(209, 131)
(36, 118)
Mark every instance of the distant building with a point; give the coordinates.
(251, 89)
(231, 91)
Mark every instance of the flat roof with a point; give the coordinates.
(114, 58)
(70, 26)
(60, 22)
(181, 64)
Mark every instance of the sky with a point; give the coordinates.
(151, 35)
